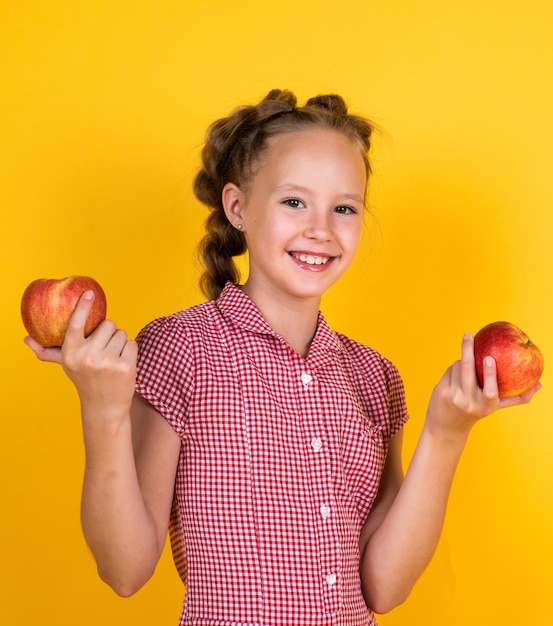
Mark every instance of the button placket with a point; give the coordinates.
(322, 486)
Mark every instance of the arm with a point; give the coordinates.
(127, 495)
(131, 453)
(403, 529)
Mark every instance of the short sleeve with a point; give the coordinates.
(397, 405)
(165, 369)
(378, 384)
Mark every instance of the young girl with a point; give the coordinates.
(267, 443)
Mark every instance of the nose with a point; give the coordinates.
(318, 227)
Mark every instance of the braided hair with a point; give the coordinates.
(234, 146)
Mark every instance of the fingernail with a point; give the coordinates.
(489, 361)
(88, 295)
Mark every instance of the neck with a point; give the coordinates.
(295, 320)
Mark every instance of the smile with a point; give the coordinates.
(309, 259)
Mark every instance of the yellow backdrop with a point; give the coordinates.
(102, 113)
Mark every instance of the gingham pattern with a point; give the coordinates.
(280, 462)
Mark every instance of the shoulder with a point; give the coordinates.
(365, 358)
(378, 383)
(171, 352)
(179, 327)
(172, 346)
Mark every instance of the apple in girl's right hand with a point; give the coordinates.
(519, 362)
(48, 304)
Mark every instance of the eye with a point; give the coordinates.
(345, 209)
(294, 203)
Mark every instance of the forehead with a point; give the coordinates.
(317, 138)
(314, 151)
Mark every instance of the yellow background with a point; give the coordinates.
(103, 107)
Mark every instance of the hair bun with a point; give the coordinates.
(282, 95)
(331, 102)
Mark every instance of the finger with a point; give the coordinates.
(489, 374)
(117, 341)
(49, 355)
(103, 334)
(454, 375)
(468, 369)
(526, 397)
(76, 326)
(130, 350)
(522, 399)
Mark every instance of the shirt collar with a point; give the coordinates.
(240, 308)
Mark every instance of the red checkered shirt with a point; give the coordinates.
(280, 462)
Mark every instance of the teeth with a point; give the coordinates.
(312, 260)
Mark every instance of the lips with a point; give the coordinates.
(312, 262)
(311, 259)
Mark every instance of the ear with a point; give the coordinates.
(233, 203)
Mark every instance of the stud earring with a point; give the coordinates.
(239, 226)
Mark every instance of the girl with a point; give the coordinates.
(268, 444)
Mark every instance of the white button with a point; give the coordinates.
(316, 444)
(306, 378)
(330, 579)
(325, 511)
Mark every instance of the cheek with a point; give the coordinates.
(281, 227)
(352, 237)
(264, 233)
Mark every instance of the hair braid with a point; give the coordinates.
(234, 146)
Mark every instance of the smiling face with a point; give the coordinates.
(301, 214)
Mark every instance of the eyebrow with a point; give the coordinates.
(299, 188)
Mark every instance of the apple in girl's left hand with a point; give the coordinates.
(519, 362)
(48, 304)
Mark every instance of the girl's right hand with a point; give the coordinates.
(102, 366)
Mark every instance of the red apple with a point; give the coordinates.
(48, 303)
(519, 362)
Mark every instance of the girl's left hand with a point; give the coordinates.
(457, 401)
